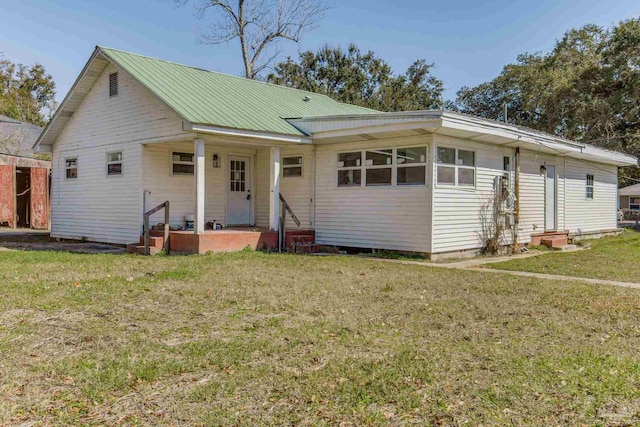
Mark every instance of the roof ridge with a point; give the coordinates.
(226, 74)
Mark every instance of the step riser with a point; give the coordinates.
(154, 242)
(555, 243)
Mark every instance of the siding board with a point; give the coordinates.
(95, 206)
(394, 218)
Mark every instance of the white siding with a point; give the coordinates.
(394, 218)
(180, 189)
(532, 193)
(94, 206)
(298, 191)
(599, 213)
(456, 210)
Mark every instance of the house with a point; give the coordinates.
(135, 132)
(629, 197)
(24, 178)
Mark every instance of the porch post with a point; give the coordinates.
(198, 149)
(274, 188)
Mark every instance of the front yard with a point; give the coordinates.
(610, 258)
(258, 339)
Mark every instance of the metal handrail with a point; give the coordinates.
(146, 216)
(283, 222)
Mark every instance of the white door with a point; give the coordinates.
(550, 204)
(238, 191)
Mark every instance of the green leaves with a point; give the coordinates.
(361, 78)
(26, 92)
(587, 89)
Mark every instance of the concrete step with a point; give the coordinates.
(555, 242)
(139, 249)
(568, 248)
(308, 248)
(154, 242)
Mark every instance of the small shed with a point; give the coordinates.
(24, 178)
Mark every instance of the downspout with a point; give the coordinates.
(516, 209)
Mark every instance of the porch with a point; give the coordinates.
(184, 242)
(237, 186)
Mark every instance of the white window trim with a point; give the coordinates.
(172, 162)
(66, 168)
(455, 167)
(115, 162)
(301, 166)
(394, 166)
(592, 186)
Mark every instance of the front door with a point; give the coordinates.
(239, 191)
(550, 205)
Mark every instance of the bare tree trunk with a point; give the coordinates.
(259, 25)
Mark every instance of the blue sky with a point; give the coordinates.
(469, 41)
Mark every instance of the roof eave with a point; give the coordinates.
(66, 99)
(246, 133)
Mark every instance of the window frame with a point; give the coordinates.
(590, 186)
(301, 165)
(67, 168)
(180, 162)
(634, 204)
(455, 166)
(114, 162)
(394, 166)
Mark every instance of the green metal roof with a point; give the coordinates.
(216, 99)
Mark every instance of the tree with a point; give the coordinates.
(362, 79)
(587, 88)
(27, 93)
(259, 25)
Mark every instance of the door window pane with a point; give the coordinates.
(349, 178)
(411, 175)
(446, 175)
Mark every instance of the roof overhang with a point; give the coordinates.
(80, 88)
(245, 133)
(334, 129)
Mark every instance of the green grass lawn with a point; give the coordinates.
(610, 258)
(259, 339)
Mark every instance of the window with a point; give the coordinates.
(182, 163)
(113, 84)
(384, 167)
(292, 166)
(456, 167)
(114, 163)
(349, 169)
(237, 175)
(589, 186)
(506, 163)
(411, 165)
(634, 203)
(71, 167)
(378, 167)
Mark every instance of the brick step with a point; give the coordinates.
(308, 248)
(139, 249)
(555, 242)
(154, 242)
